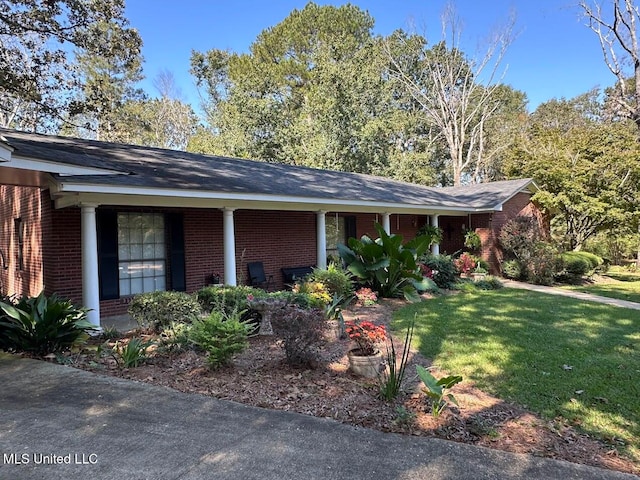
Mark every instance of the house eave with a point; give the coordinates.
(72, 194)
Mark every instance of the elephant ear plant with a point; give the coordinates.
(386, 265)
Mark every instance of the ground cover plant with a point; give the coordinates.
(563, 358)
(616, 283)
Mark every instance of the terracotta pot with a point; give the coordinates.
(368, 366)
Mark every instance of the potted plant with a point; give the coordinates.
(465, 264)
(366, 360)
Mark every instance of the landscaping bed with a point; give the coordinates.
(260, 376)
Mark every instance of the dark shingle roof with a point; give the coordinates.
(146, 167)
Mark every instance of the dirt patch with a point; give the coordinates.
(261, 377)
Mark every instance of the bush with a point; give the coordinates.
(443, 269)
(157, 310)
(575, 264)
(336, 280)
(227, 300)
(317, 291)
(543, 265)
(42, 325)
(593, 259)
(519, 238)
(302, 300)
(512, 269)
(221, 338)
(302, 332)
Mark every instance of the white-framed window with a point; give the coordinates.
(142, 253)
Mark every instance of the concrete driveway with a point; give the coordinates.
(58, 422)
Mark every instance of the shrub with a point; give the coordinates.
(512, 269)
(156, 310)
(592, 258)
(42, 325)
(302, 300)
(519, 238)
(336, 280)
(317, 291)
(543, 265)
(227, 300)
(575, 264)
(443, 270)
(175, 337)
(487, 283)
(386, 265)
(221, 338)
(302, 333)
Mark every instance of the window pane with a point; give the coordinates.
(123, 251)
(149, 284)
(148, 250)
(136, 251)
(125, 287)
(136, 286)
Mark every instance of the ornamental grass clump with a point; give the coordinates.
(366, 335)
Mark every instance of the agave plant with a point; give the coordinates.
(41, 325)
(387, 265)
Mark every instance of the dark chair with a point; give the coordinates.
(257, 277)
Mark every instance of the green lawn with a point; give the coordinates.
(556, 356)
(616, 283)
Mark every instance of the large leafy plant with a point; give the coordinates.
(42, 325)
(387, 265)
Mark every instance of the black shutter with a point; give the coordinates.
(107, 229)
(176, 251)
(349, 228)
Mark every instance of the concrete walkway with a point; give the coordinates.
(58, 422)
(571, 293)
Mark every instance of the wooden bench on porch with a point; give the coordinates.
(293, 274)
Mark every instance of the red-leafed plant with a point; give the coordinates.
(367, 335)
(465, 263)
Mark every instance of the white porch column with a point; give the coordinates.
(321, 228)
(90, 278)
(229, 247)
(435, 248)
(386, 223)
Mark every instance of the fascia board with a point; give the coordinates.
(123, 195)
(62, 169)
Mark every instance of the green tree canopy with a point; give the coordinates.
(587, 167)
(37, 77)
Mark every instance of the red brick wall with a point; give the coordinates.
(63, 250)
(21, 202)
(519, 205)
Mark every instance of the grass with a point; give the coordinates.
(616, 283)
(558, 357)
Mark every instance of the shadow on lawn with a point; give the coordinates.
(562, 358)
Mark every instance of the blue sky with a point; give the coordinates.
(554, 55)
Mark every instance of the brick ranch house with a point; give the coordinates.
(98, 222)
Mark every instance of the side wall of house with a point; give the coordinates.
(488, 227)
(21, 209)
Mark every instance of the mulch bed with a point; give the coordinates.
(261, 377)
